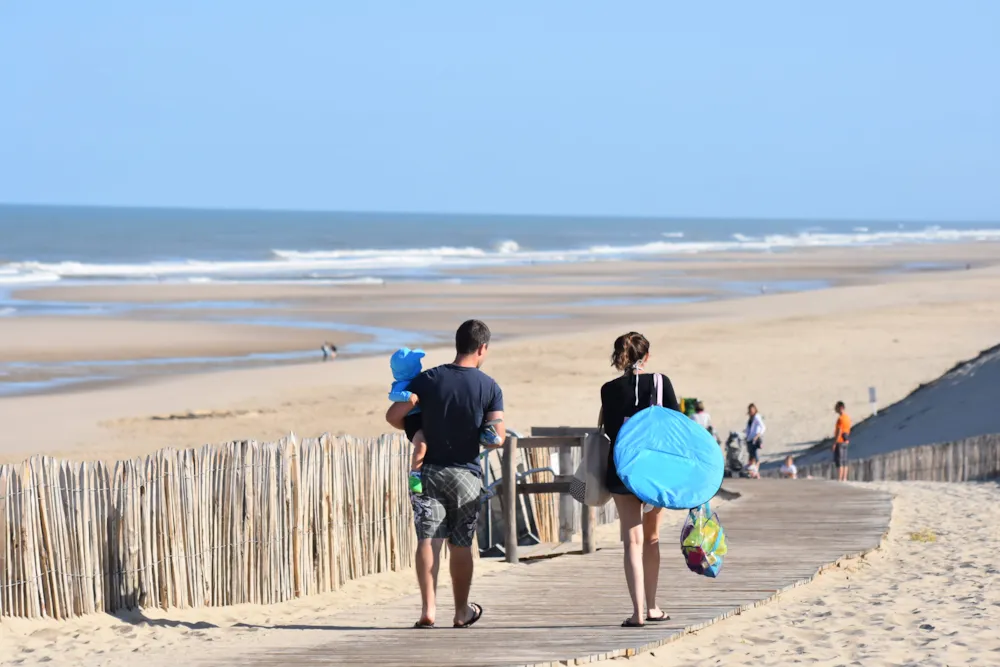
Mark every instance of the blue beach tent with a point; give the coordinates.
(667, 460)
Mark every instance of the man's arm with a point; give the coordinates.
(497, 415)
(494, 412)
(397, 411)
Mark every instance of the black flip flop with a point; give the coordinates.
(628, 623)
(423, 625)
(659, 619)
(472, 621)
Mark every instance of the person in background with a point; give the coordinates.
(329, 351)
(755, 429)
(841, 439)
(788, 470)
(701, 417)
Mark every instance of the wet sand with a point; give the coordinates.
(793, 354)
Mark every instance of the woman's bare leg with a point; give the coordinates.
(651, 558)
(630, 517)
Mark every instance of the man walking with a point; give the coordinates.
(841, 439)
(455, 399)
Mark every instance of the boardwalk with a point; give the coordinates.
(569, 608)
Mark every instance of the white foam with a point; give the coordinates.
(343, 266)
(508, 247)
(12, 274)
(5, 312)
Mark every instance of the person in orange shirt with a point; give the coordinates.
(841, 439)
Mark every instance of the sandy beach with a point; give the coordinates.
(923, 598)
(218, 226)
(793, 354)
(912, 602)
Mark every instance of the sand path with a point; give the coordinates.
(913, 602)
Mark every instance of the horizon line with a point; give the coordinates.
(467, 214)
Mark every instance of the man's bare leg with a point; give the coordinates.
(428, 562)
(461, 564)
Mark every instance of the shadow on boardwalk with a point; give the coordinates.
(781, 534)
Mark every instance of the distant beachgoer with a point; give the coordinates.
(329, 351)
(755, 429)
(701, 417)
(841, 440)
(455, 400)
(788, 470)
(640, 526)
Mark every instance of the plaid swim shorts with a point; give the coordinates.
(449, 506)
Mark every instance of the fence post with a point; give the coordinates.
(567, 506)
(510, 499)
(587, 521)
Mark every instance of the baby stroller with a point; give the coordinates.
(736, 455)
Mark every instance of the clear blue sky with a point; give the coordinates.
(795, 108)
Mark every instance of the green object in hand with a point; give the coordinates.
(416, 482)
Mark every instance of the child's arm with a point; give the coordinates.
(398, 393)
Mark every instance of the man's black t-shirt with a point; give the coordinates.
(454, 401)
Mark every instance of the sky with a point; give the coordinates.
(775, 108)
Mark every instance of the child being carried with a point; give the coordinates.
(405, 365)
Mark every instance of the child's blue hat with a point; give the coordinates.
(405, 363)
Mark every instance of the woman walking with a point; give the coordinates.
(620, 399)
(755, 429)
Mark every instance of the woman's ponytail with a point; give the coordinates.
(629, 351)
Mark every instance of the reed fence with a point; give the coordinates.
(242, 522)
(971, 459)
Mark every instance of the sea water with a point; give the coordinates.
(44, 245)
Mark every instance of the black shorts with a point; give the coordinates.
(413, 423)
(840, 454)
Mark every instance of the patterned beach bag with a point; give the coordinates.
(589, 484)
(703, 541)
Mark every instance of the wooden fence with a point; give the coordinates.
(965, 460)
(239, 523)
(570, 512)
(243, 522)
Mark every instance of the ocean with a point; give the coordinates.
(43, 245)
(48, 246)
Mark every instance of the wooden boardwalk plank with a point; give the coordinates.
(567, 610)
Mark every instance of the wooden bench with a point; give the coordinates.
(565, 445)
